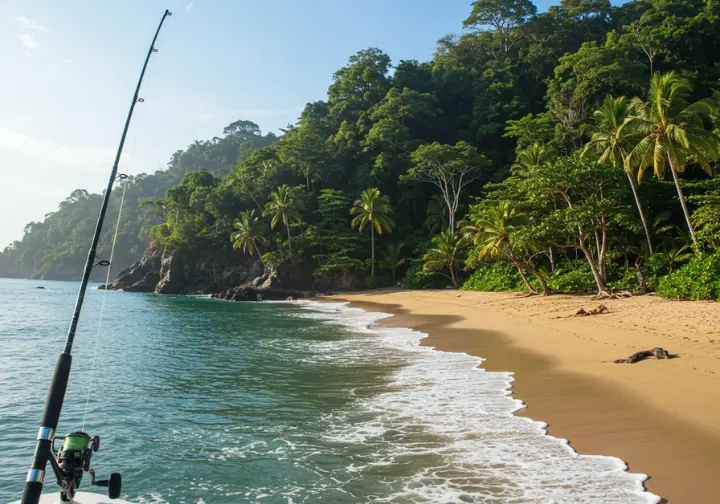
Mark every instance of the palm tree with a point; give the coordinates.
(436, 215)
(491, 228)
(393, 258)
(531, 157)
(670, 259)
(249, 233)
(283, 205)
(372, 208)
(614, 139)
(672, 131)
(447, 253)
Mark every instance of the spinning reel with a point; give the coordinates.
(73, 459)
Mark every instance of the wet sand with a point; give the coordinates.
(661, 417)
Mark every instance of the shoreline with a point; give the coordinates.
(565, 376)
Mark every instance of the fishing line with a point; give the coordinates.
(102, 305)
(132, 141)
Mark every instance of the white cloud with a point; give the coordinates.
(29, 42)
(69, 61)
(189, 7)
(30, 24)
(78, 157)
(205, 116)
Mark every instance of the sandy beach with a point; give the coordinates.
(660, 416)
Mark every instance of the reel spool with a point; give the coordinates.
(73, 460)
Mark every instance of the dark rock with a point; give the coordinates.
(141, 276)
(347, 280)
(256, 270)
(173, 274)
(272, 283)
(658, 353)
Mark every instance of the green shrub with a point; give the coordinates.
(572, 276)
(417, 278)
(271, 258)
(628, 280)
(494, 277)
(378, 281)
(698, 279)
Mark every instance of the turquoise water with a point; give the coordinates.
(200, 400)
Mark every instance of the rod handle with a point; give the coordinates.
(32, 492)
(51, 416)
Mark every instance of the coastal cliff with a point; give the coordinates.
(224, 274)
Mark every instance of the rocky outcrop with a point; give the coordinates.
(250, 293)
(346, 280)
(142, 276)
(173, 271)
(226, 274)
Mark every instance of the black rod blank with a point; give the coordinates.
(56, 396)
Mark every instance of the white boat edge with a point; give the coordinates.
(80, 498)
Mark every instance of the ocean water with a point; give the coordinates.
(205, 401)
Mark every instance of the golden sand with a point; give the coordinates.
(661, 416)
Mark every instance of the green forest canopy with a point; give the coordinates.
(511, 145)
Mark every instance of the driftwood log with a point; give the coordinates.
(595, 311)
(658, 353)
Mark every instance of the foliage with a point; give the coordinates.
(378, 281)
(448, 167)
(249, 234)
(393, 259)
(416, 277)
(447, 254)
(698, 279)
(706, 215)
(673, 130)
(59, 244)
(572, 277)
(519, 128)
(372, 209)
(494, 276)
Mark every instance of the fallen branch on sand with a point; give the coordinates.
(614, 294)
(601, 309)
(658, 353)
(595, 311)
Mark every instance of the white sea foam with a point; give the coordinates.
(464, 418)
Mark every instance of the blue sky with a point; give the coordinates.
(70, 68)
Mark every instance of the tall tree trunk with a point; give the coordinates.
(525, 280)
(451, 222)
(682, 202)
(287, 226)
(372, 247)
(452, 275)
(599, 279)
(534, 272)
(539, 277)
(633, 185)
(259, 254)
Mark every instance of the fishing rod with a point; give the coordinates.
(73, 458)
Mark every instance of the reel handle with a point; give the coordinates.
(113, 484)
